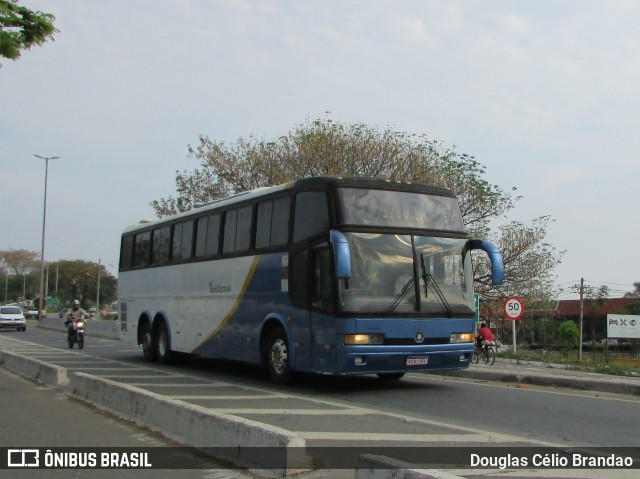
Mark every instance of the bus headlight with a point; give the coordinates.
(364, 339)
(462, 338)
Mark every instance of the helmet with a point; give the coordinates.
(483, 325)
(75, 302)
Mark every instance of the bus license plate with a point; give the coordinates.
(417, 361)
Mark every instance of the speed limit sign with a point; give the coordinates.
(513, 307)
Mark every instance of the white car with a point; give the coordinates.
(12, 317)
(31, 313)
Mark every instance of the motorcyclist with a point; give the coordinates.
(77, 313)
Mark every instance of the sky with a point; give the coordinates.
(544, 94)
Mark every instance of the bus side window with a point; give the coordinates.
(230, 220)
(160, 245)
(311, 215)
(263, 224)
(237, 230)
(142, 249)
(207, 236)
(126, 254)
(201, 236)
(213, 235)
(182, 241)
(280, 222)
(243, 229)
(272, 223)
(299, 278)
(322, 286)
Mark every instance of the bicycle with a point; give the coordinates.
(486, 353)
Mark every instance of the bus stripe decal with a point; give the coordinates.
(243, 291)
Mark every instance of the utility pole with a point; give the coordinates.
(98, 291)
(581, 316)
(42, 310)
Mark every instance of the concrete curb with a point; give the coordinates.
(371, 466)
(610, 384)
(35, 369)
(231, 438)
(241, 441)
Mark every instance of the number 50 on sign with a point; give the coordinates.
(513, 307)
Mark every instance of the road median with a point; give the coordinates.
(240, 441)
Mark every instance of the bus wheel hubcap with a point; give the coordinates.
(162, 344)
(279, 356)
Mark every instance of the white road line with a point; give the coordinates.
(137, 376)
(404, 438)
(288, 412)
(231, 396)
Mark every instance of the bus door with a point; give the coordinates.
(312, 292)
(323, 321)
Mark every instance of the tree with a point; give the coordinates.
(324, 147)
(529, 263)
(78, 279)
(595, 298)
(635, 293)
(21, 28)
(568, 334)
(21, 262)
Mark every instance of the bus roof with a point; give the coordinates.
(317, 183)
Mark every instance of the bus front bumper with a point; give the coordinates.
(369, 361)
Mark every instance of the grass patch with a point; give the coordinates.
(592, 361)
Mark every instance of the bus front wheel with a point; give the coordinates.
(277, 357)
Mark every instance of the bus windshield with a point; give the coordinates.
(393, 273)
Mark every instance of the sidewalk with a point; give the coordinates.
(547, 374)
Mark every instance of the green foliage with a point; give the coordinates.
(545, 330)
(21, 28)
(568, 334)
(634, 308)
(78, 279)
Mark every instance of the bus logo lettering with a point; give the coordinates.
(219, 288)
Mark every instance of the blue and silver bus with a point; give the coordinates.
(332, 275)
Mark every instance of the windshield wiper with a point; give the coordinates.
(428, 278)
(400, 296)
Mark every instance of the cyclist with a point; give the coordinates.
(484, 334)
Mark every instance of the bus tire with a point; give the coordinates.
(278, 358)
(390, 376)
(162, 344)
(148, 348)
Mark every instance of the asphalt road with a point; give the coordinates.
(537, 414)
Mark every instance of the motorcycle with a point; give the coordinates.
(75, 332)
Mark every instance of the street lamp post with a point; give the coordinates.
(44, 222)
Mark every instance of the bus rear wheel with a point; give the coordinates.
(162, 344)
(148, 349)
(277, 358)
